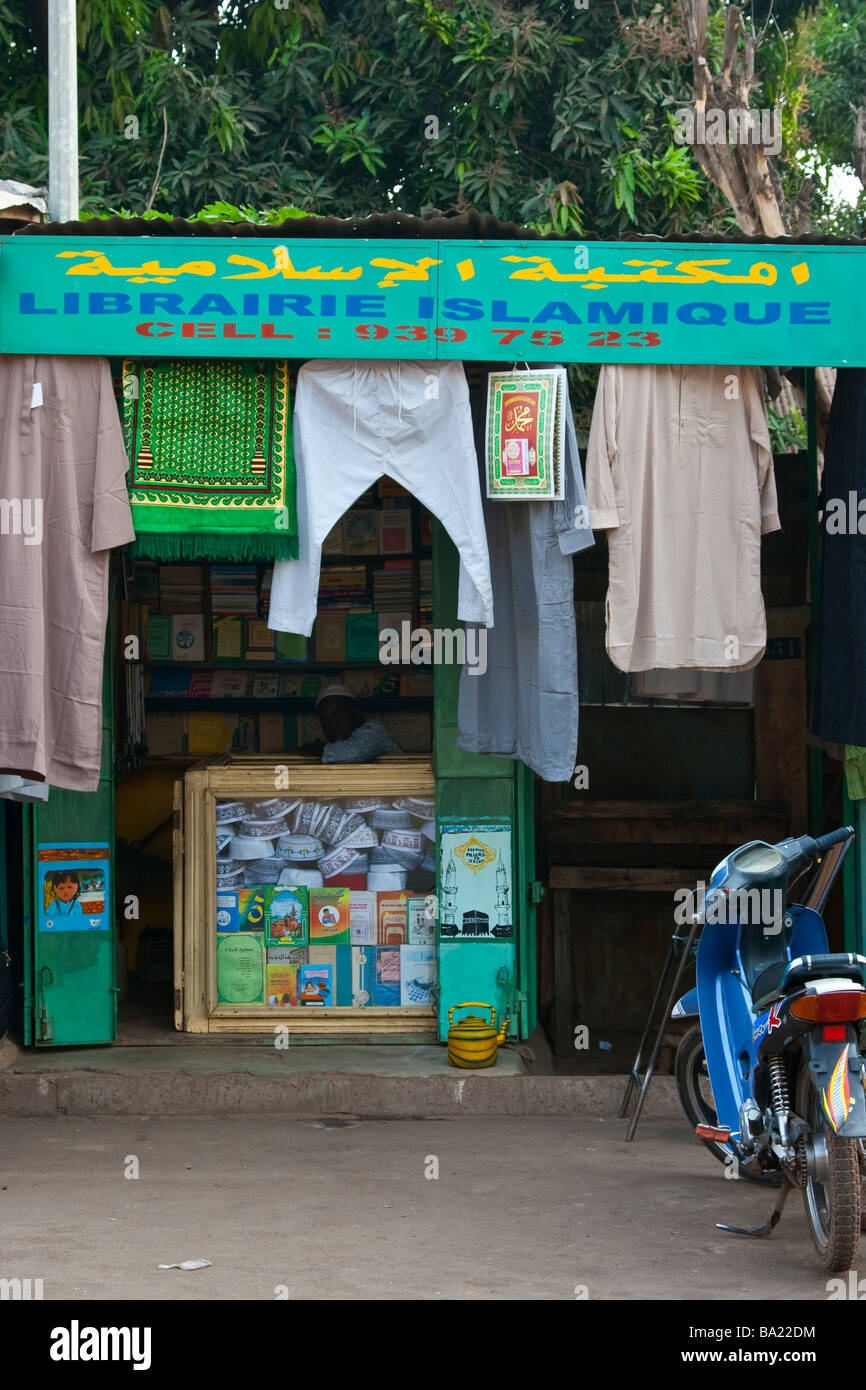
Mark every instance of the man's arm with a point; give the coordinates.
(362, 746)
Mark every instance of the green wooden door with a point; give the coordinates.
(70, 995)
(472, 787)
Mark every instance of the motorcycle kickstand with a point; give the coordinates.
(767, 1228)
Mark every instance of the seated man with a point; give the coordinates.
(349, 737)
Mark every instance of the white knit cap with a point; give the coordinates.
(334, 688)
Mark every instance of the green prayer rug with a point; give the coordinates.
(212, 472)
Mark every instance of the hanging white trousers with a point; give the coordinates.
(354, 422)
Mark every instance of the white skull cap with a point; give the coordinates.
(334, 688)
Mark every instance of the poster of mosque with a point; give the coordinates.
(475, 889)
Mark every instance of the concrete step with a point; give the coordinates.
(372, 1082)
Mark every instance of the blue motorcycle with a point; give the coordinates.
(774, 1076)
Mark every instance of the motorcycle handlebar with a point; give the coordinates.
(835, 837)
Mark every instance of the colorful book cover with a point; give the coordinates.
(362, 637)
(315, 986)
(240, 968)
(386, 976)
(363, 920)
(329, 915)
(288, 916)
(227, 913)
(363, 967)
(392, 917)
(281, 985)
(417, 975)
(525, 434)
(291, 646)
(422, 925)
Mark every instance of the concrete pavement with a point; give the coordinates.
(539, 1208)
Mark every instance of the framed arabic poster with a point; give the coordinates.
(475, 881)
(525, 435)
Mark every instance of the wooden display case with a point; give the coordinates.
(197, 1009)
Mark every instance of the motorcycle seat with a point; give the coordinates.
(787, 975)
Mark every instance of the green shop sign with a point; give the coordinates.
(503, 300)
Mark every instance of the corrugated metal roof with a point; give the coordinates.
(394, 226)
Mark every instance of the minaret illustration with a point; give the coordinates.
(503, 907)
(449, 893)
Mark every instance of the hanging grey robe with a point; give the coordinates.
(63, 506)
(525, 705)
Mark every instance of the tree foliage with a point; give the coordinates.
(546, 114)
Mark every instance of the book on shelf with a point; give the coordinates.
(211, 733)
(231, 685)
(168, 682)
(228, 639)
(200, 685)
(158, 637)
(266, 687)
(260, 640)
(187, 637)
(361, 531)
(395, 530)
(272, 736)
(292, 646)
(362, 637)
(329, 637)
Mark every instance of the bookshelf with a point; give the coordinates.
(214, 678)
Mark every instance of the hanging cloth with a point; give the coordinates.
(62, 458)
(354, 422)
(212, 466)
(525, 703)
(680, 473)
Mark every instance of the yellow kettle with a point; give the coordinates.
(473, 1042)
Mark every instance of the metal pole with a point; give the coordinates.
(62, 112)
(816, 757)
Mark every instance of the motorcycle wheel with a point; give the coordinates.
(696, 1097)
(832, 1207)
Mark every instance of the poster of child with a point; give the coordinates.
(74, 887)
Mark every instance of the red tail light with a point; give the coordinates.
(843, 1006)
(835, 1032)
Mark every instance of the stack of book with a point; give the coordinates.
(392, 588)
(147, 583)
(181, 588)
(425, 590)
(233, 589)
(344, 588)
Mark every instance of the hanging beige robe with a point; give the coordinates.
(63, 506)
(679, 472)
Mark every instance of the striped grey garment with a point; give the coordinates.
(525, 705)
